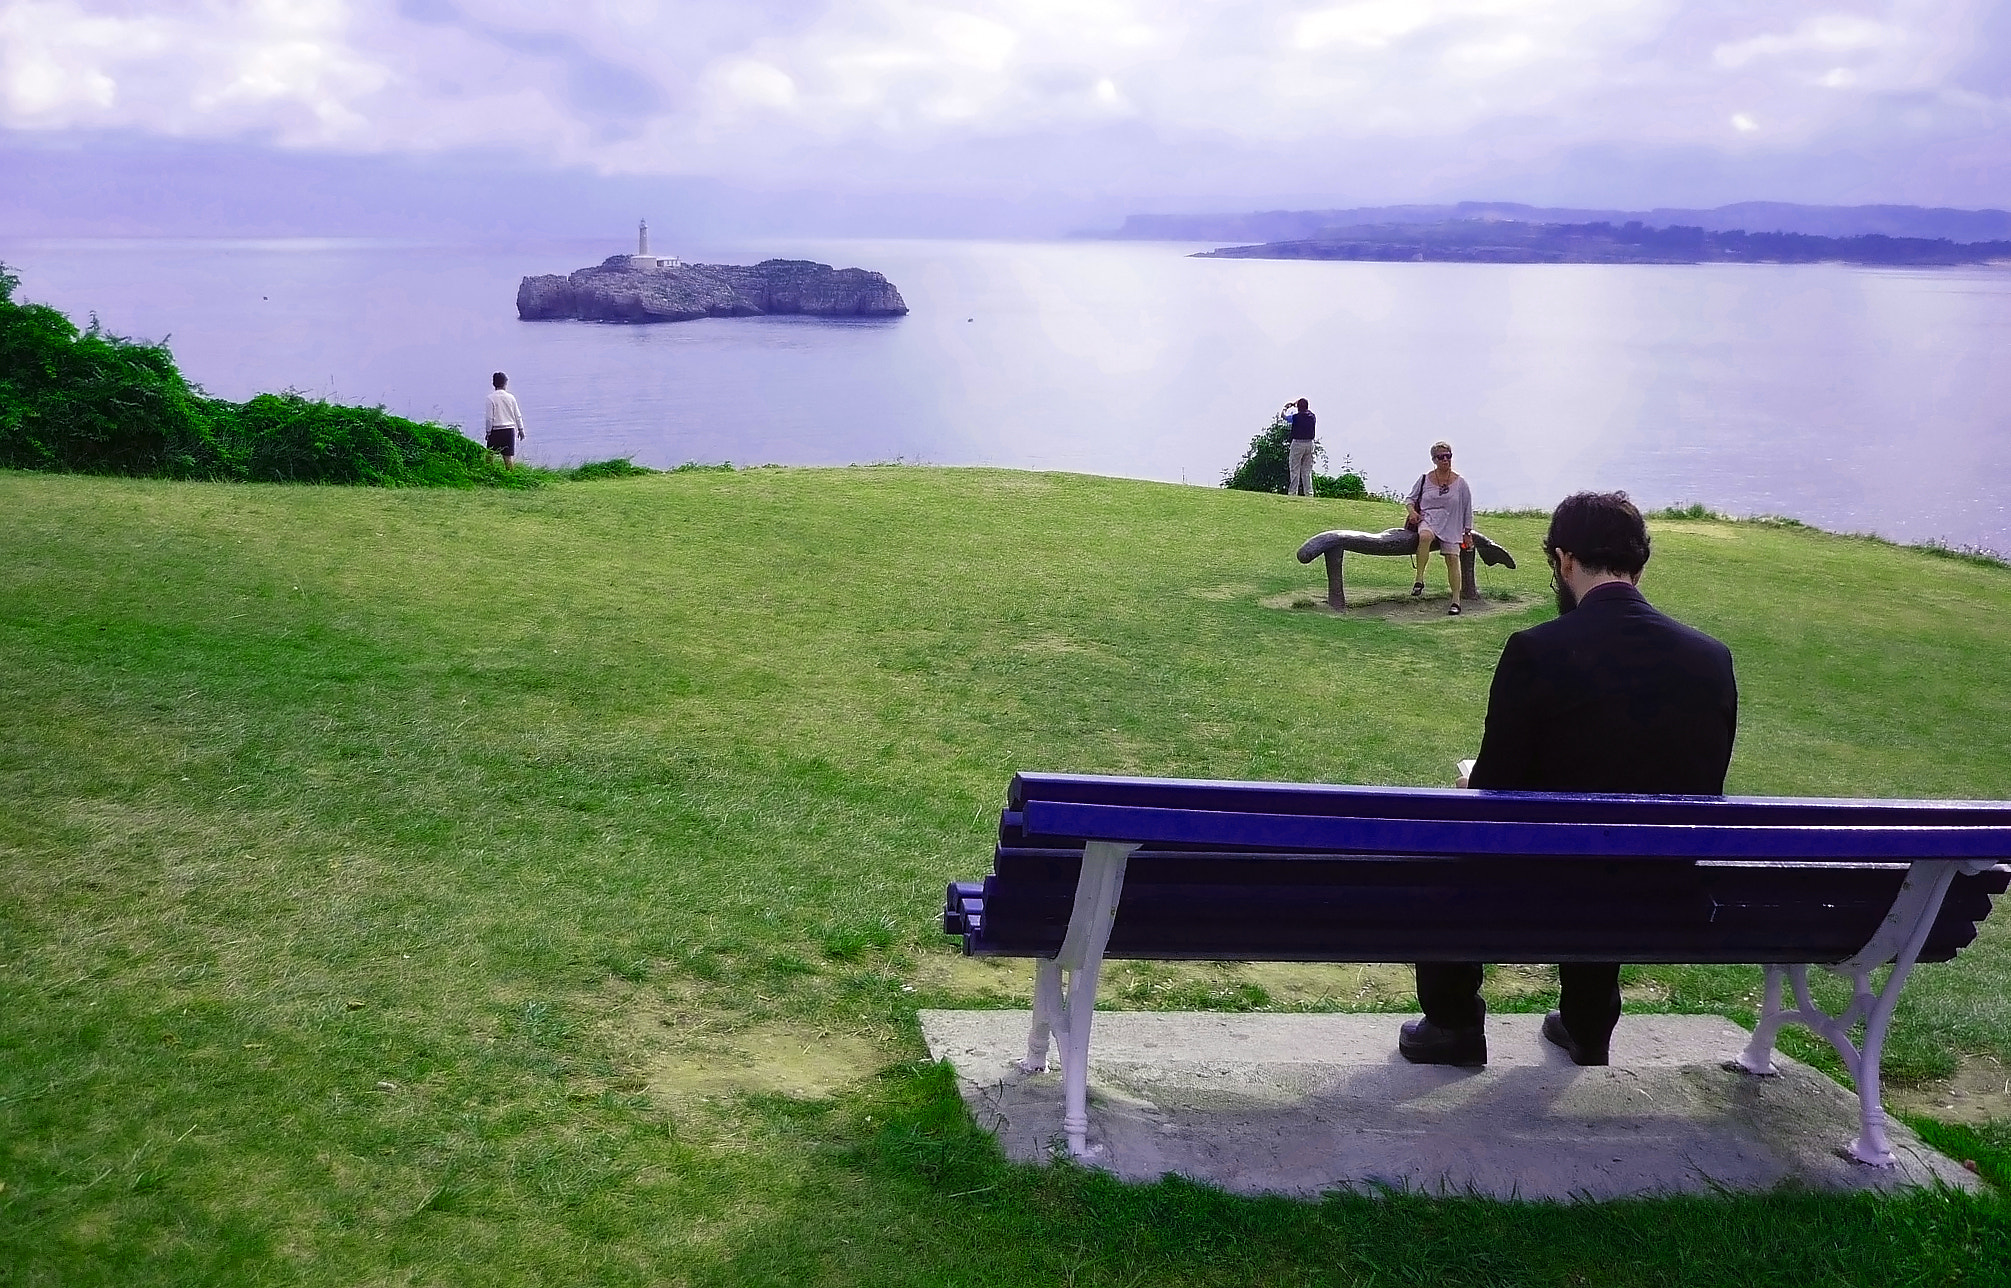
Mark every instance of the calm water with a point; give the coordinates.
(1856, 399)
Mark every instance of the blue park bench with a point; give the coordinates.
(1090, 867)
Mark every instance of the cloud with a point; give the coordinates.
(1825, 36)
(287, 69)
(1104, 95)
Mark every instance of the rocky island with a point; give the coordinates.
(644, 288)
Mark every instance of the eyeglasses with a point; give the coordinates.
(1441, 456)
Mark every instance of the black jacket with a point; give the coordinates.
(1614, 696)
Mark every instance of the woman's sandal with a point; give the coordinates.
(1453, 611)
(1416, 589)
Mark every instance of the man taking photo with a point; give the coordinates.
(1299, 448)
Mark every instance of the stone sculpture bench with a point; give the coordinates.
(1091, 867)
(1394, 541)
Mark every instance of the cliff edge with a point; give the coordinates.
(620, 290)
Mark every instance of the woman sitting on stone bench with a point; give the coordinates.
(1441, 505)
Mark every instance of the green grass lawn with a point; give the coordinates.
(514, 887)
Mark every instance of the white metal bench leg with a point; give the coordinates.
(1046, 1006)
(1065, 1007)
(1758, 1057)
(1874, 1008)
(1872, 1145)
(1898, 940)
(1075, 1058)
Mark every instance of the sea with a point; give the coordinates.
(1855, 399)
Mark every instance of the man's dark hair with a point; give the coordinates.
(1302, 404)
(1601, 530)
(499, 380)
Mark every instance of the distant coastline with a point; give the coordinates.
(1485, 241)
(1930, 223)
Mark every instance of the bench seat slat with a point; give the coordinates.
(1380, 942)
(1515, 910)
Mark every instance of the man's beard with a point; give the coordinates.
(1566, 601)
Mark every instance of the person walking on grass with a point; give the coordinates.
(1299, 449)
(1441, 505)
(505, 421)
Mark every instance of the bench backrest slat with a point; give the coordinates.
(1516, 910)
(1472, 836)
(1340, 800)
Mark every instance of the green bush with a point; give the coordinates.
(290, 438)
(90, 402)
(620, 467)
(1266, 467)
(1349, 485)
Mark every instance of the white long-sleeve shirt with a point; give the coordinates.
(504, 412)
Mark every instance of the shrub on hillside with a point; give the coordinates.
(89, 401)
(1349, 485)
(96, 403)
(1266, 467)
(289, 438)
(619, 467)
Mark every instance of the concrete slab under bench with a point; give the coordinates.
(1305, 1104)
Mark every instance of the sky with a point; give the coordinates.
(1020, 117)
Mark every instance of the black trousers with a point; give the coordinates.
(1449, 992)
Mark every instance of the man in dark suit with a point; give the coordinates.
(1611, 696)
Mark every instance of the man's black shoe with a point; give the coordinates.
(1422, 1042)
(1560, 1037)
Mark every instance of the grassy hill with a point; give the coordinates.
(427, 886)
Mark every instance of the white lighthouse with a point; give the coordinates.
(642, 259)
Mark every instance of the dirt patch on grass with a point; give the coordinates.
(1398, 608)
(1009, 981)
(1226, 591)
(1056, 644)
(1310, 983)
(781, 1059)
(1519, 979)
(1979, 1091)
(1373, 986)
(990, 979)
(676, 1049)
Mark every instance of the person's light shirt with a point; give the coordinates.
(504, 412)
(1447, 507)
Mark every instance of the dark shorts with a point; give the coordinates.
(503, 439)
